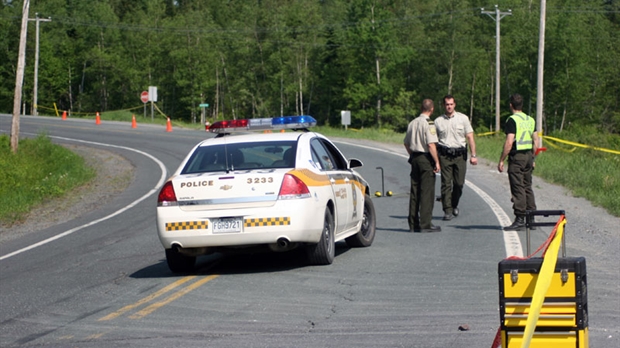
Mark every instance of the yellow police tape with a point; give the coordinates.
(581, 145)
(542, 284)
(557, 147)
(486, 133)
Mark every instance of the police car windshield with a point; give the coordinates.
(242, 156)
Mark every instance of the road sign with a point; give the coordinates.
(144, 97)
(204, 105)
(153, 94)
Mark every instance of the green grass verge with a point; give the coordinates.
(40, 170)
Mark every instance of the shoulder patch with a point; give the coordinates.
(433, 130)
(430, 121)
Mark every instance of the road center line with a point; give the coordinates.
(150, 309)
(162, 178)
(149, 298)
(512, 243)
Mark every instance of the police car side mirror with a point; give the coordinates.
(355, 163)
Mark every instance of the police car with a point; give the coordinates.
(275, 188)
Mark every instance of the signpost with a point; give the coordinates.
(345, 116)
(203, 115)
(145, 99)
(152, 98)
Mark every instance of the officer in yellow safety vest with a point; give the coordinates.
(520, 146)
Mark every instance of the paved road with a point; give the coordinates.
(104, 281)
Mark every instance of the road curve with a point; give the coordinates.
(107, 284)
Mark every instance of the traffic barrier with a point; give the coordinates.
(64, 115)
(133, 121)
(168, 125)
(97, 119)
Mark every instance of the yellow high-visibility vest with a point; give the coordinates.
(525, 129)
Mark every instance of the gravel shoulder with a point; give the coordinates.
(114, 174)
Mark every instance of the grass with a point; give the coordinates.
(39, 171)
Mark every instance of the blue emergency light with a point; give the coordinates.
(256, 124)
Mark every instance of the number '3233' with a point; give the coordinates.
(262, 180)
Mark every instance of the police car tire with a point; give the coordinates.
(322, 253)
(179, 263)
(366, 235)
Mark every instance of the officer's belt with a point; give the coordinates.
(451, 151)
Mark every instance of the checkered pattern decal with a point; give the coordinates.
(186, 225)
(272, 221)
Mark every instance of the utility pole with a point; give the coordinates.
(19, 77)
(498, 16)
(541, 69)
(36, 62)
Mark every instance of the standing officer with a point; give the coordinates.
(453, 128)
(420, 142)
(520, 145)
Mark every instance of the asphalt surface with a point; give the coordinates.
(100, 279)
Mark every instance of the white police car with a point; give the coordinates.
(275, 188)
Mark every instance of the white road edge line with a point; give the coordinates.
(66, 233)
(512, 243)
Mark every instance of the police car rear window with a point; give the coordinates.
(244, 156)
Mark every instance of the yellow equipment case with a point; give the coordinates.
(563, 320)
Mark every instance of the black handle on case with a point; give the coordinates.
(546, 213)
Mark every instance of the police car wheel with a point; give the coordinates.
(323, 252)
(179, 263)
(366, 235)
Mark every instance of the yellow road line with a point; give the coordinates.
(147, 299)
(150, 309)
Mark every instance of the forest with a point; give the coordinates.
(262, 58)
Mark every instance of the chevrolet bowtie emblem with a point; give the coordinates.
(226, 187)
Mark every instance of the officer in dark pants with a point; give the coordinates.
(454, 132)
(420, 142)
(520, 146)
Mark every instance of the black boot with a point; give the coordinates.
(517, 225)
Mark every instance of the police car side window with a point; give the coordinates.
(320, 155)
(339, 162)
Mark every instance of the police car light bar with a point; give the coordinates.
(254, 124)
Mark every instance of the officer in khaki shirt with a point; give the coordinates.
(420, 143)
(454, 130)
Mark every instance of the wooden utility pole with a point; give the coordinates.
(498, 16)
(541, 69)
(35, 92)
(19, 77)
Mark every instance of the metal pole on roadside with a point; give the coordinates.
(35, 92)
(498, 17)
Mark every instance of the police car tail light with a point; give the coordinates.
(257, 124)
(292, 187)
(167, 197)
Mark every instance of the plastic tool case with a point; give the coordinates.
(563, 320)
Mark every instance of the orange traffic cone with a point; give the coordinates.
(64, 115)
(97, 119)
(168, 126)
(133, 122)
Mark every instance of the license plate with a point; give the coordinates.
(227, 225)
